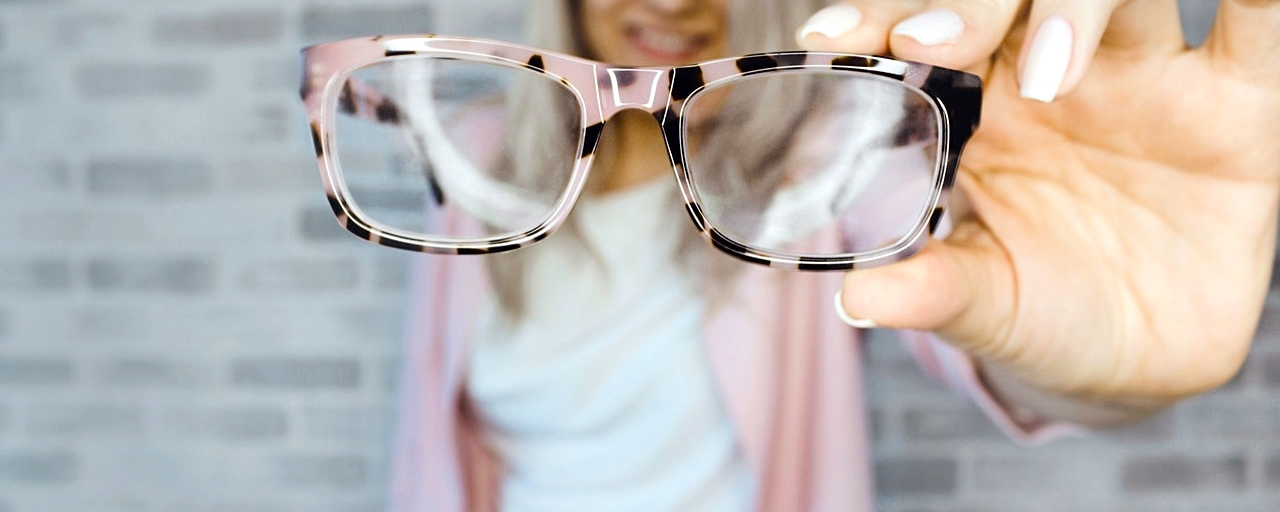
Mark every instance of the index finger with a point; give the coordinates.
(959, 34)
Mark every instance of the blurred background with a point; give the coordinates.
(183, 326)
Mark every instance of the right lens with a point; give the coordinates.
(776, 159)
(455, 150)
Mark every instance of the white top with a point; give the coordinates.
(601, 397)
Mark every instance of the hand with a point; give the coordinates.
(1118, 239)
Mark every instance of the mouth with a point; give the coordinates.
(666, 46)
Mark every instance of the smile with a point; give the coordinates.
(666, 45)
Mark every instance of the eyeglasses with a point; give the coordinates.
(814, 161)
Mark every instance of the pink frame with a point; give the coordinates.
(602, 91)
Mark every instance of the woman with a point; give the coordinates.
(622, 365)
(751, 398)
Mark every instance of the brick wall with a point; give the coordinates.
(183, 327)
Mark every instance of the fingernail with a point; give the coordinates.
(1047, 60)
(932, 28)
(851, 321)
(832, 22)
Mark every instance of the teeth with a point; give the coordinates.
(666, 42)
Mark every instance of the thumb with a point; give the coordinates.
(963, 290)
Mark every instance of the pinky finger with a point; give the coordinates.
(1247, 37)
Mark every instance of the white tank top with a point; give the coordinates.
(601, 397)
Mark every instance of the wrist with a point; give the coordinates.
(1031, 405)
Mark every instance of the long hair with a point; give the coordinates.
(754, 26)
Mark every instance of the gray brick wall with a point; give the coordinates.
(183, 326)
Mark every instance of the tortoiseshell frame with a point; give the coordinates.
(602, 91)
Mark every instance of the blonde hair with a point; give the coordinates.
(754, 26)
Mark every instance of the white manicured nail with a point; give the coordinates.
(832, 22)
(851, 321)
(1047, 60)
(932, 28)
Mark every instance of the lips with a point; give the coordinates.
(666, 46)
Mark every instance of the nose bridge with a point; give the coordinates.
(631, 88)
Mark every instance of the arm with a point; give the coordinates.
(1121, 229)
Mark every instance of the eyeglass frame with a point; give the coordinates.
(956, 96)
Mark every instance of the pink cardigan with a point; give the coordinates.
(789, 372)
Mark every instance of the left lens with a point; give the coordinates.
(780, 158)
(455, 151)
